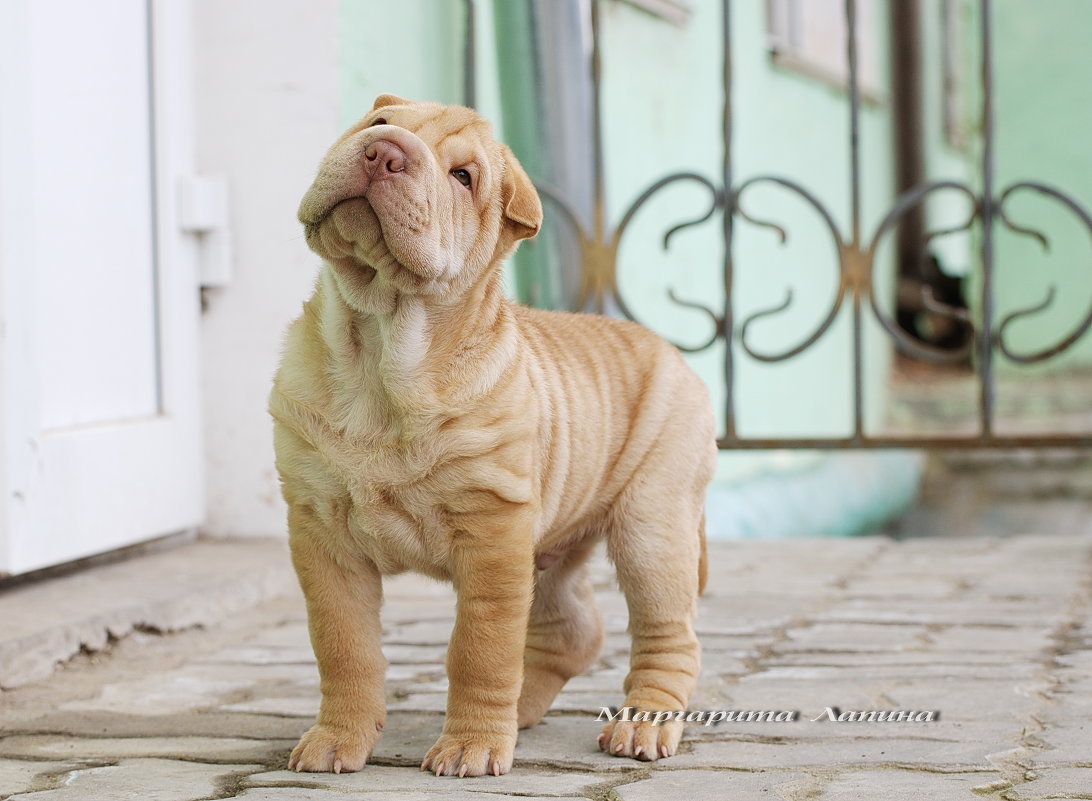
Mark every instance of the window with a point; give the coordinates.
(810, 36)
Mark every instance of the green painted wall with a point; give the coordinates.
(412, 50)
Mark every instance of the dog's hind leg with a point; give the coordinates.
(656, 550)
(564, 636)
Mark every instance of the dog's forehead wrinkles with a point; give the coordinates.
(436, 125)
(457, 132)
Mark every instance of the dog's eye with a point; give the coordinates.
(462, 176)
(380, 121)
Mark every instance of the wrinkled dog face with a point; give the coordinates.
(419, 198)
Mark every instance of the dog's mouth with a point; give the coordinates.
(328, 238)
(368, 211)
(315, 220)
(333, 238)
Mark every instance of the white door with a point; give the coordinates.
(98, 370)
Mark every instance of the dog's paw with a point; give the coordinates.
(323, 749)
(641, 739)
(470, 755)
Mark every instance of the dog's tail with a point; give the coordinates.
(703, 558)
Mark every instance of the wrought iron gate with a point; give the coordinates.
(856, 250)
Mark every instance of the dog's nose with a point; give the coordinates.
(385, 157)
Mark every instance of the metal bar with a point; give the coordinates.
(599, 224)
(985, 331)
(854, 124)
(862, 279)
(888, 443)
(727, 222)
(470, 60)
(906, 108)
(858, 365)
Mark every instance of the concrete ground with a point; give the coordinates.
(990, 635)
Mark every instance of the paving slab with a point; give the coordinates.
(964, 611)
(303, 793)
(1065, 743)
(910, 786)
(998, 639)
(143, 779)
(947, 661)
(916, 754)
(941, 670)
(973, 698)
(23, 776)
(711, 785)
(201, 749)
(853, 638)
(763, 690)
(527, 781)
(1053, 783)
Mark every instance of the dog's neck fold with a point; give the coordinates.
(416, 361)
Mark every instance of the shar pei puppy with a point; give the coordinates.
(425, 422)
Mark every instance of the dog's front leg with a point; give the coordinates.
(343, 602)
(493, 573)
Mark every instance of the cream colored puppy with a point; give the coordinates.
(425, 422)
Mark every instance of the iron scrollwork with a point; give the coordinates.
(1078, 332)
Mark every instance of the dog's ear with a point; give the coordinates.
(389, 100)
(522, 207)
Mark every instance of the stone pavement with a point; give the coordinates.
(992, 636)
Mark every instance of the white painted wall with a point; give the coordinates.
(267, 108)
